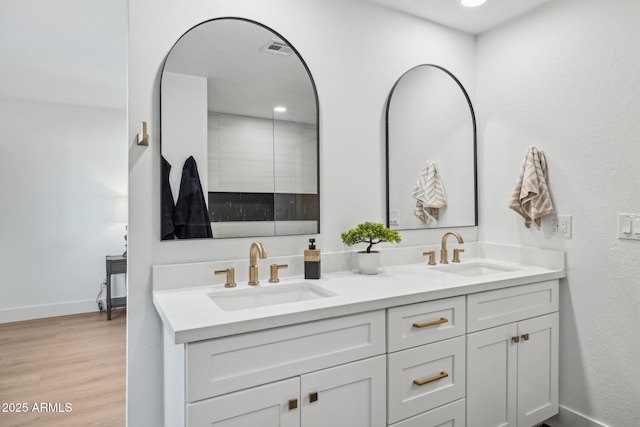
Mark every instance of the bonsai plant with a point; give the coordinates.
(371, 233)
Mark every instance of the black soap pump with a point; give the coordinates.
(312, 261)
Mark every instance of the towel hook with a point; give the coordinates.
(143, 136)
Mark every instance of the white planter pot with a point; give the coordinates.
(368, 262)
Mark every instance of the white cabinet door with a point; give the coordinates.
(537, 370)
(264, 406)
(350, 395)
(491, 377)
(513, 383)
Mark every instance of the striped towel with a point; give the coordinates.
(429, 193)
(531, 198)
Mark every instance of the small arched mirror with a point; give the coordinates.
(239, 103)
(431, 152)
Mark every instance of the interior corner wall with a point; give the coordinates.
(356, 50)
(564, 78)
(63, 169)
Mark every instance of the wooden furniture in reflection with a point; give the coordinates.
(116, 264)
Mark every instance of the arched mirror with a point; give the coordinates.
(239, 113)
(431, 152)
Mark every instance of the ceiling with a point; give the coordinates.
(451, 13)
(242, 78)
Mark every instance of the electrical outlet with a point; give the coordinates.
(560, 225)
(394, 217)
(563, 225)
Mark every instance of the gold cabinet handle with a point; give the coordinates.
(293, 404)
(515, 339)
(313, 396)
(432, 323)
(430, 380)
(525, 337)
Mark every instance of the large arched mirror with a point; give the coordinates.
(239, 107)
(431, 152)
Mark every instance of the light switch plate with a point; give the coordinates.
(629, 226)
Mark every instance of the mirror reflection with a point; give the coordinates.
(238, 99)
(431, 152)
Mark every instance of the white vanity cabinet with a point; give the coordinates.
(426, 364)
(385, 351)
(309, 374)
(512, 356)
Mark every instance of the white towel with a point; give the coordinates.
(531, 198)
(429, 193)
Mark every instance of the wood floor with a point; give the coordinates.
(64, 371)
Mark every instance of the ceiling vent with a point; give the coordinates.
(278, 47)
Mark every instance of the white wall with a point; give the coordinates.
(63, 169)
(63, 153)
(184, 121)
(355, 51)
(240, 153)
(253, 154)
(565, 79)
(64, 51)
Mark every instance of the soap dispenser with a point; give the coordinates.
(312, 261)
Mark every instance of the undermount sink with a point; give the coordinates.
(474, 269)
(242, 299)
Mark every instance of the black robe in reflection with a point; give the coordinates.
(190, 217)
(166, 203)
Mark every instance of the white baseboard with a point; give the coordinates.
(569, 418)
(19, 314)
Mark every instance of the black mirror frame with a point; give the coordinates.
(313, 85)
(475, 141)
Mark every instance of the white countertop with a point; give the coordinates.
(189, 314)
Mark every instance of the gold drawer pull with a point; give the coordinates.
(525, 337)
(432, 379)
(313, 396)
(432, 323)
(293, 404)
(515, 339)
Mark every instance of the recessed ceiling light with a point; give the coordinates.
(472, 3)
(280, 109)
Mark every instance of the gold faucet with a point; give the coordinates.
(231, 277)
(257, 249)
(273, 277)
(443, 251)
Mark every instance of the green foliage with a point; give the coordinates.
(371, 233)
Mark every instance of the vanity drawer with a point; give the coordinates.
(502, 306)
(418, 324)
(450, 415)
(223, 365)
(440, 367)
